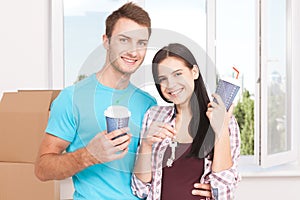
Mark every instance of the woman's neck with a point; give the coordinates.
(183, 119)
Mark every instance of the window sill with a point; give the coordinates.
(249, 169)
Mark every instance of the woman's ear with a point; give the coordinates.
(195, 72)
(105, 40)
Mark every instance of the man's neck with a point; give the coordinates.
(111, 78)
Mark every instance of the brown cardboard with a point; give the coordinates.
(23, 119)
(19, 182)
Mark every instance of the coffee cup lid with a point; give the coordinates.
(117, 111)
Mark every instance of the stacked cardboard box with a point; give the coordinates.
(23, 119)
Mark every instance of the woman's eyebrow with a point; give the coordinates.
(174, 72)
(178, 70)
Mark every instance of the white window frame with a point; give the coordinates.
(265, 159)
(56, 69)
(211, 72)
(261, 158)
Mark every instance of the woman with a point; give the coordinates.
(193, 140)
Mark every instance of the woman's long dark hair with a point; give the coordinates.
(199, 127)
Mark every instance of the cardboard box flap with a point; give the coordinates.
(23, 119)
(27, 101)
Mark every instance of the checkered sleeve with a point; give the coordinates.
(138, 187)
(224, 183)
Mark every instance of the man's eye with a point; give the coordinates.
(178, 74)
(123, 40)
(142, 44)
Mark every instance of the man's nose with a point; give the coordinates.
(132, 50)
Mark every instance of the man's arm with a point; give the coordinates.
(53, 164)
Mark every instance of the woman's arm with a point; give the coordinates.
(224, 176)
(219, 120)
(142, 168)
(224, 183)
(156, 133)
(222, 151)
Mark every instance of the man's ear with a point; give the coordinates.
(105, 40)
(195, 72)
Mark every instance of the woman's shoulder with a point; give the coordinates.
(160, 112)
(159, 109)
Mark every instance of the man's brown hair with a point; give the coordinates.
(129, 11)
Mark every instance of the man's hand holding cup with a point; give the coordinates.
(112, 144)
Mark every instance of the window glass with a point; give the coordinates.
(84, 25)
(279, 139)
(235, 46)
(175, 21)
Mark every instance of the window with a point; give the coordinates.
(168, 27)
(277, 143)
(235, 46)
(254, 36)
(84, 24)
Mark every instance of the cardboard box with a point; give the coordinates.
(23, 119)
(19, 182)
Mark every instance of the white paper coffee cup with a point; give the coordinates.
(116, 117)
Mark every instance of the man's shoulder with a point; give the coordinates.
(86, 82)
(69, 91)
(143, 94)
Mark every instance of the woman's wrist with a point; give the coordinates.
(145, 147)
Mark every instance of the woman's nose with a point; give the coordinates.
(171, 83)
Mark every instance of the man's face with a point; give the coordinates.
(126, 48)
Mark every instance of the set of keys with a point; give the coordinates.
(173, 146)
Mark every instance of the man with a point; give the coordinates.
(99, 163)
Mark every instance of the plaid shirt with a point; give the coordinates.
(223, 183)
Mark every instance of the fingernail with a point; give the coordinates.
(194, 192)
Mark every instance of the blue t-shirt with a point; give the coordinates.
(77, 115)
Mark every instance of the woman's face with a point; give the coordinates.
(176, 80)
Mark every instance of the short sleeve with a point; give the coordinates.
(61, 121)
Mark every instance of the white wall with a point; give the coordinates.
(24, 44)
(24, 63)
(268, 188)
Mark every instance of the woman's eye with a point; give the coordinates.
(178, 74)
(161, 80)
